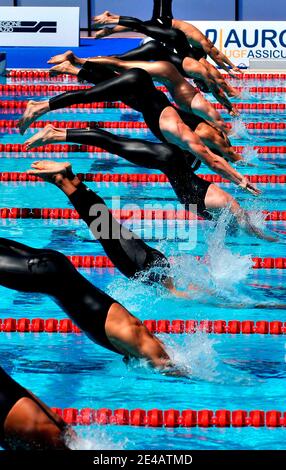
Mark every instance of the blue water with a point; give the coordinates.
(233, 372)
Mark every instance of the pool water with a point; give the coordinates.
(228, 371)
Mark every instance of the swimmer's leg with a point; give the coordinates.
(114, 89)
(162, 9)
(46, 271)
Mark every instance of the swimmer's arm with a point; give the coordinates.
(218, 57)
(194, 33)
(214, 162)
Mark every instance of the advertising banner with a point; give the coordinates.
(242, 41)
(40, 26)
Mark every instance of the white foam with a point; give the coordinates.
(238, 130)
(95, 438)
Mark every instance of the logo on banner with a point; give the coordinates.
(242, 43)
(28, 26)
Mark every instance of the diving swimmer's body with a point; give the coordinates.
(162, 118)
(26, 422)
(194, 192)
(171, 44)
(187, 97)
(99, 316)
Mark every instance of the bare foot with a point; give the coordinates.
(102, 33)
(103, 19)
(46, 136)
(58, 59)
(64, 67)
(52, 172)
(34, 110)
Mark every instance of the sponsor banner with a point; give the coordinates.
(40, 26)
(242, 41)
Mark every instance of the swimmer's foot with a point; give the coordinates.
(102, 33)
(58, 59)
(33, 110)
(63, 68)
(105, 18)
(48, 135)
(52, 172)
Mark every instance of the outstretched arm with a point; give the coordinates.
(218, 57)
(193, 33)
(178, 133)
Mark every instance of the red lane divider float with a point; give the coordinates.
(44, 73)
(66, 148)
(11, 124)
(40, 89)
(140, 214)
(21, 105)
(232, 327)
(139, 178)
(172, 418)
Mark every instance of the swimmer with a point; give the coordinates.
(172, 45)
(26, 423)
(127, 251)
(189, 188)
(160, 116)
(99, 316)
(190, 106)
(184, 94)
(201, 48)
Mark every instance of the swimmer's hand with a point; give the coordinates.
(232, 72)
(175, 371)
(103, 33)
(234, 112)
(247, 186)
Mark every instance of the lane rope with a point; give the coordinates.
(11, 124)
(44, 73)
(232, 327)
(124, 214)
(172, 418)
(21, 105)
(40, 89)
(6, 176)
(66, 148)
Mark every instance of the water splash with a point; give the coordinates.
(250, 155)
(238, 130)
(95, 438)
(245, 95)
(135, 295)
(197, 355)
(219, 270)
(225, 268)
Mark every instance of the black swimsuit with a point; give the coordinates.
(162, 12)
(128, 252)
(133, 86)
(134, 82)
(171, 160)
(10, 393)
(50, 272)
